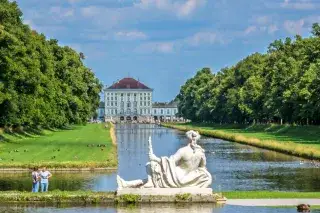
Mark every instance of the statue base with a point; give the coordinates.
(154, 195)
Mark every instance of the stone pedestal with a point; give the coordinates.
(155, 195)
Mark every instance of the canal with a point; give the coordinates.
(233, 166)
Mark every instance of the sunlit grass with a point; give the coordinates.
(302, 141)
(80, 146)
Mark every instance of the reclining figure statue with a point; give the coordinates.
(186, 168)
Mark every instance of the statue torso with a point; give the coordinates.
(190, 158)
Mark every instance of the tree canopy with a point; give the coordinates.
(41, 83)
(282, 85)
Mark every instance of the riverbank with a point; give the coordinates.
(89, 146)
(87, 197)
(270, 195)
(298, 141)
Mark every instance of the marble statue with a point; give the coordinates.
(186, 168)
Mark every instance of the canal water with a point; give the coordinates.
(165, 208)
(233, 166)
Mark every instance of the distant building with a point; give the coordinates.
(131, 100)
(164, 111)
(127, 100)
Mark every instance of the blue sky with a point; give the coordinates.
(164, 42)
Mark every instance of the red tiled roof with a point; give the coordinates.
(128, 83)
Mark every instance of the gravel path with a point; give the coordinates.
(272, 202)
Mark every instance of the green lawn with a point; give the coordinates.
(302, 141)
(75, 147)
(309, 135)
(269, 195)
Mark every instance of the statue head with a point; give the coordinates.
(193, 136)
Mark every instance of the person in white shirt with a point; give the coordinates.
(45, 175)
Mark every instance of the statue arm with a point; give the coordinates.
(177, 156)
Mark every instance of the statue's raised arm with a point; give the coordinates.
(152, 157)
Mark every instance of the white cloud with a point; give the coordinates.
(250, 29)
(205, 38)
(181, 9)
(130, 35)
(262, 20)
(294, 27)
(104, 17)
(189, 7)
(156, 47)
(272, 29)
(62, 12)
(299, 4)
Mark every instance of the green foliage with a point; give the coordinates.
(129, 198)
(41, 83)
(280, 86)
(183, 197)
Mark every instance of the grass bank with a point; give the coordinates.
(298, 141)
(89, 146)
(58, 197)
(270, 195)
(87, 197)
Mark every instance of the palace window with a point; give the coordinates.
(108, 98)
(122, 104)
(128, 104)
(148, 111)
(168, 111)
(161, 111)
(145, 98)
(155, 111)
(141, 111)
(111, 103)
(116, 111)
(111, 98)
(145, 104)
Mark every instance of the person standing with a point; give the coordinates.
(35, 179)
(45, 175)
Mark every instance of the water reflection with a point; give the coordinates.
(155, 208)
(233, 166)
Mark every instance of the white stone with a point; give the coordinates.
(186, 168)
(165, 191)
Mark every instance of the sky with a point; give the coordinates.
(165, 42)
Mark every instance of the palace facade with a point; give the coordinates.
(131, 100)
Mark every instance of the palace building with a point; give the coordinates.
(131, 100)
